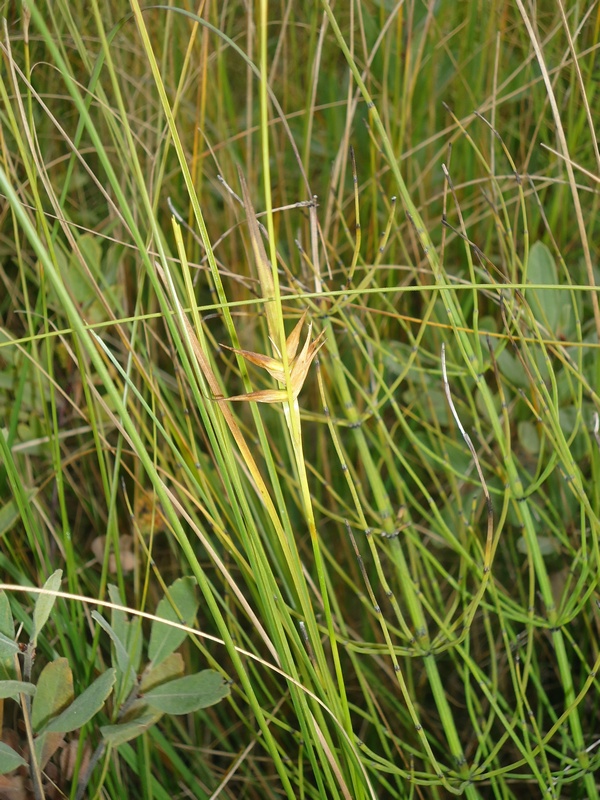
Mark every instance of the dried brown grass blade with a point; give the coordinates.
(263, 265)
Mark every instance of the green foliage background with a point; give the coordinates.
(400, 579)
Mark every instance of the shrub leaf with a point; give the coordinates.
(190, 693)
(54, 692)
(172, 667)
(83, 708)
(164, 639)
(44, 603)
(124, 731)
(7, 625)
(545, 304)
(14, 688)
(9, 759)
(8, 647)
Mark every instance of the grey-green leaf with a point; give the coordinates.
(546, 304)
(168, 670)
(7, 626)
(118, 617)
(83, 708)
(8, 647)
(44, 603)
(122, 659)
(188, 694)
(9, 759)
(54, 693)
(15, 688)
(124, 731)
(7, 669)
(135, 640)
(129, 633)
(165, 639)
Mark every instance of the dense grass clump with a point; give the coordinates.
(299, 303)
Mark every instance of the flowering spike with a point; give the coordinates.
(298, 365)
(293, 339)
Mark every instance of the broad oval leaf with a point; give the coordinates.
(7, 669)
(8, 647)
(512, 369)
(528, 436)
(54, 692)
(125, 731)
(188, 694)
(45, 745)
(83, 708)
(15, 688)
(548, 545)
(164, 639)
(9, 759)
(169, 669)
(546, 304)
(44, 603)
(9, 513)
(7, 626)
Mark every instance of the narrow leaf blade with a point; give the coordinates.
(263, 265)
(122, 661)
(118, 617)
